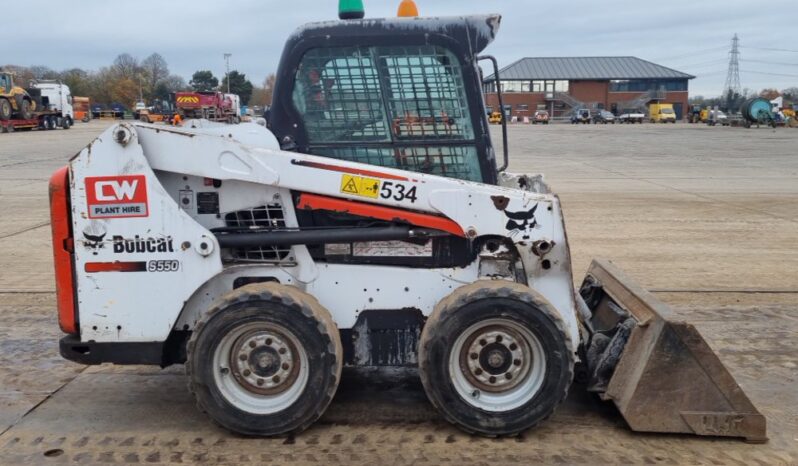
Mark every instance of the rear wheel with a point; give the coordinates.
(51, 122)
(5, 109)
(265, 361)
(24, 110)
(495, 358)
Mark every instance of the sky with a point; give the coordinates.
(693, 36)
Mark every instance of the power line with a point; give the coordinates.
(771, 74)
(702, 64)
(770, 62)
(770, 49)
(691, 54)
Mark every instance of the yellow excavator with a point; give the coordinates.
(15, 102)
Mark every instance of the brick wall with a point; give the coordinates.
(585, 91)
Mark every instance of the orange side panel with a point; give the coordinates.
(316, 202)
(62, 250)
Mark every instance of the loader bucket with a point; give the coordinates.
(665, 378)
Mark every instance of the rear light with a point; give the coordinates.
(63, 248)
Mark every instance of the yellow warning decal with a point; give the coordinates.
(360, 186)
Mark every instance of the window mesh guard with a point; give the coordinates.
(402, 107)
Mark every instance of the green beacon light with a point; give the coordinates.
(351, 9)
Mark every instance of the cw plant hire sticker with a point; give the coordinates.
(360, 186)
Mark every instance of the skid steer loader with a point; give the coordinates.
(372, 226)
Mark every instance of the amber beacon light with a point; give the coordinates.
(407, 9)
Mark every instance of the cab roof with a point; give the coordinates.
(476, 31)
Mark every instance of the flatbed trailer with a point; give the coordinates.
(48, 120)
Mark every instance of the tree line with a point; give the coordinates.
(128, 79)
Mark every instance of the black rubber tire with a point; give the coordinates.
(290, 308)
(488, 299)
(66, 122)
(24, 110)
(10, 128)
(5, 109)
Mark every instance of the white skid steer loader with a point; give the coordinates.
(370, 227)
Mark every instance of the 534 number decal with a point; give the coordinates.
(163, 266)
(398, 191)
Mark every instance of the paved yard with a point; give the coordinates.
(705, 217)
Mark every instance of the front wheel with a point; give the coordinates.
(495, 358)
(5, 109)
(265, 361)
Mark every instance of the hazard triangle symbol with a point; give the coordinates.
(350, 186)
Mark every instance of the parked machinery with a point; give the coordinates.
(212, 106)
(757, 111)
(15, 102)
(372, 226)
(44, 105)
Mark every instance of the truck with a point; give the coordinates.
(631, 116)
(44, 105)
(209, 105)
(661, 113)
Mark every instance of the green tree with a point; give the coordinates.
(203, 81)
(239, 84)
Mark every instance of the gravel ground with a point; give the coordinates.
(705, 217)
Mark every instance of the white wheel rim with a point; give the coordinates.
(505, 393)
(232, 383)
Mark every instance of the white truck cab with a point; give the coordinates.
(59, 98)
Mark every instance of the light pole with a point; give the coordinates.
(227, 62)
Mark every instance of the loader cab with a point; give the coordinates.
(6, 83)
(403, 93)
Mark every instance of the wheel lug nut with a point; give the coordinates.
(517, 362)
(243, 357)
(478, 371)
(513, 347)
(492, 379)
(281, 351)
(252, 344)
(247, 372)
(285, 366)
(268, 341)
(483, 342)
(508, 376)
(474, 355)
(499, 338)
(260, 381)
(276, 379)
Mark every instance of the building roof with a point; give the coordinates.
(576, 68)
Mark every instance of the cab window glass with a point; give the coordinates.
(408, 103)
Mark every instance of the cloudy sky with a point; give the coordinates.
(693, 36)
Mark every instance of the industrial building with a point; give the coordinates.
(560, 84)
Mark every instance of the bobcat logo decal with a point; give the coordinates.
(521, 223)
